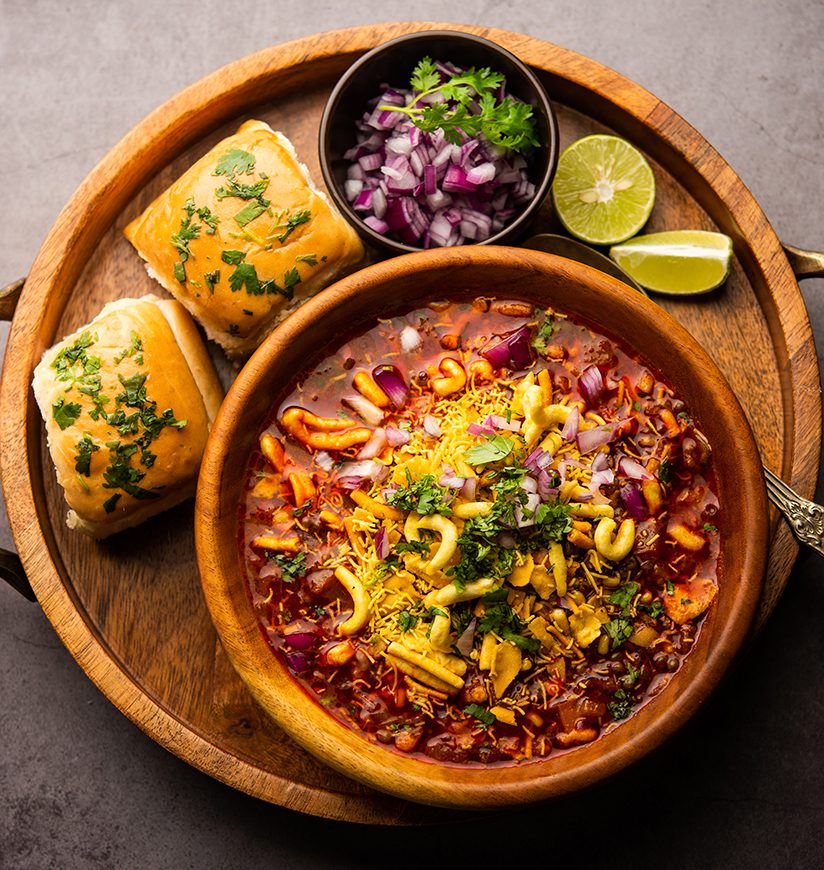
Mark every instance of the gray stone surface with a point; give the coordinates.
(742, 786)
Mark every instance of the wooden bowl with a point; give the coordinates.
(404, 283)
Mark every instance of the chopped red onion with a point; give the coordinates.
(397, 437)
(633, 502)
(592, 439)
(366, 468)
(545, 487)
(301, 639)
(600, 463)
(298, 661)
(469, 488)
(374, 446)
(324, 460)
(466, 640)
(502, 423)
(529, 484)
(573, 421)
(410, 339)
(506, 540)
(513, 352)
(631, 468)
(525, 515)
(591, 385)
(394, 160)
(370, 412)
(431, 426)
(381, 543)
(391, 381)
(451, 481)
(538, 460)
(478, 429)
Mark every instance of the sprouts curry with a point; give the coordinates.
(481, 532)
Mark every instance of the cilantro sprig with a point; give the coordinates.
(506, 122)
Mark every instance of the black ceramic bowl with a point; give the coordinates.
(392, 63)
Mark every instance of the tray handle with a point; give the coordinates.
(11, 568)
(805, 264)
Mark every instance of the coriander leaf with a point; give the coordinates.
(624, 595)
(309, 259)
(180, 272)
(619, 631)
(109, 504)
(665, 471)
(621, 706)
(496, 448)
(553, 521)
(292, 222)
(233, 258)
(425, 76)
(245, 275)
(249, 212)
(234, 161)
(406, 620)
(212, 278)
(655, 609)
(543, 335)
(65, 413)
(421, 547)
(291, 280)
(211, 220)
(83, 458)
(236, 189)
(710, 528)
(423, 496)
(291, 567)
(480, 713)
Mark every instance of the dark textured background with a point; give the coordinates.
(743, 786)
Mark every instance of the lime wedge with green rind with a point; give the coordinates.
(604, 189)
(681, 262)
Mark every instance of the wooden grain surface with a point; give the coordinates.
(130, 610)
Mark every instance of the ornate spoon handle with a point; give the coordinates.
(806, 518)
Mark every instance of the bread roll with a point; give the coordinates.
(128, 402)
(244, 237)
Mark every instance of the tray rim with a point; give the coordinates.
(162, 135)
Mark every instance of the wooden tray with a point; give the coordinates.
(130, 609)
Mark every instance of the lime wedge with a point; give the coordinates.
(604, 189)
(678, 262)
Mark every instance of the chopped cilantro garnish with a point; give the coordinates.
(406, 620)
(496, 448)
(480, 713)
(291, 567)
(423, 496)
(239, 190)
(65, 413)
(655, 609)
(543, 335)
(624, 595)
(234, 161)
(309, 259)
(621, 706)
(83, 458)
(134, 348)
(619, 631)
(249, 212)
(245, 275)
(291, 280)
(670, 587)
(109, 504)
(233, 258)
(665, 471)
(710, 528)
(293, 222)
(211, 278)
(421, 547)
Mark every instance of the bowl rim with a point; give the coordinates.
(542, 187)
(426, 781)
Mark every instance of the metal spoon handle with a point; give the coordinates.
(806, 518)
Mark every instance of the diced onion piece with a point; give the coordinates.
(631, 468)
(370, 412)
(478, 429)
(466, 640)
(391, 381)
(397, 437)
(573, 421)
(592, 439)
(410, 339)
(431, 426)
(633, 501)
(513, 352)
(381, 543)
(591, 385)
(374, 446)
(502, 423)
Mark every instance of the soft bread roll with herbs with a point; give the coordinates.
(244, 237)
(128, 402)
